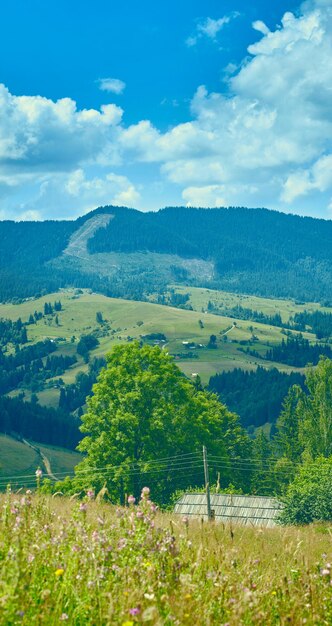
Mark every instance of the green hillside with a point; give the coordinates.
(124, 319)
(19, 461)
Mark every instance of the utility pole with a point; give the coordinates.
(207, 484)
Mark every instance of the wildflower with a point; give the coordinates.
(139, 514)
(145, 492)
(185, 520)
(59, 572)
(131, 500)
(90, 493)
(149, 596)
(64, 617)
(39, 473)
(83, 507)
(135, 611)
(325, 572)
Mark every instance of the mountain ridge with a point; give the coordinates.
(258, 251)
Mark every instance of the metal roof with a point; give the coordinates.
(245, 510)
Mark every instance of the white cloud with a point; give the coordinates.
(210, 195)
(75, 193)
(267, 142)
(38, 135)
(260, 27)
(210, 28)
(112, 85)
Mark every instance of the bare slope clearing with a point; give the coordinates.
(77, 246)
(77, 256)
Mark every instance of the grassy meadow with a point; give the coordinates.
(199, 298)
(84, 562)
(125, 316)
(18, 461)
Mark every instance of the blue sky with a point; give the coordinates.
(202, 103)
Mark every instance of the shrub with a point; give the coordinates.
(309, 496)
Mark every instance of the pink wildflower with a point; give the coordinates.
(325, 572)
(131, 500)
(145, 492)
(135, 611)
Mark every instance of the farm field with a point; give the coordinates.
(101, 566)
(128, 320)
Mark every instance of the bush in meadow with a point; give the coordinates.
(309, 496)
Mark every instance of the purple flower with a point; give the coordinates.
(83, 506)
(131, 500)
(135, 611)
(90, 493)
(139, 514)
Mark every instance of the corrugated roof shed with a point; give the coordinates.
(246, 510)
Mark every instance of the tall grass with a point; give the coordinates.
(83, 562)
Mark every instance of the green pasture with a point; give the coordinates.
(123, 323)
(18, 459)
(199, 298)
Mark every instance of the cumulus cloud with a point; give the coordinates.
(210, 28)
(37, 134)
(266, 142)
(112, 85)
(62, 195)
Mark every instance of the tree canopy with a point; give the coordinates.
(304, 428)
(143, 412)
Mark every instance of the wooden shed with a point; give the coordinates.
(245, 510)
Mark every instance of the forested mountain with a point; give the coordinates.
(248, 250)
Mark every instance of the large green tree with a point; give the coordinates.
(309, 496)
(315, 410)
(144, 411)
(304, 428)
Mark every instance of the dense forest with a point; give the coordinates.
(42, 424)
(251, 250)
(255, 396)
(318, 322)
(298, 351)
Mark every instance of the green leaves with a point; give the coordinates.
(143, 409)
